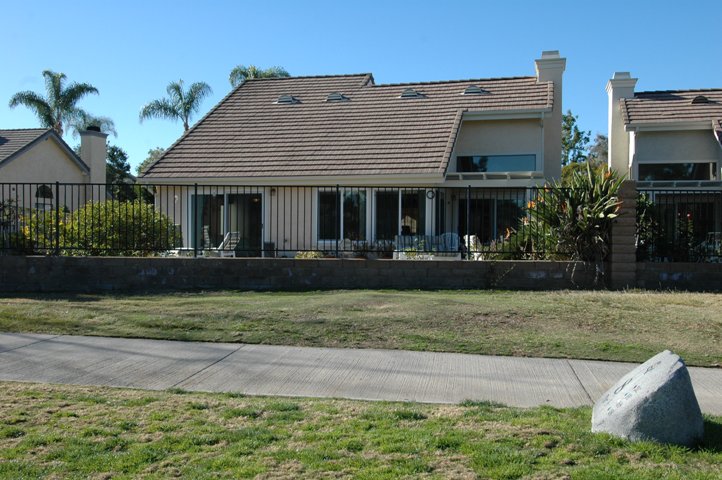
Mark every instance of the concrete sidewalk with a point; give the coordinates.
(320, 372)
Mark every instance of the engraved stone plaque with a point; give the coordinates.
(655, 401)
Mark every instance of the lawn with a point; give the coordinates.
(93, 432)
(624, 326)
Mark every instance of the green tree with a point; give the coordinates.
(575, 142)
(599, 151)
(241, 73)
(153, 155)
(117, 174)
(180, 105)
(59, 105)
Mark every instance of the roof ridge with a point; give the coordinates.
(688, 90)
(436, 82)
(22, 129)
(295, 77)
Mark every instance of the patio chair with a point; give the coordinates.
(473, 246)
(227, 248)
(449, 245)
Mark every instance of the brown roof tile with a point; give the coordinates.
(671, 106)
(12, 141)
(373, 133)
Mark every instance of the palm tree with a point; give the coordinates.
(241, 73)
(180, 105)
(59, 105)
(85, 120)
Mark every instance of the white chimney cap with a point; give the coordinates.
(621, 76)
(550, 54)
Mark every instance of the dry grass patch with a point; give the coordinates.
(621, 326)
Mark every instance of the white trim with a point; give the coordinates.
(667, 126)
(305, 181)
(504, 114)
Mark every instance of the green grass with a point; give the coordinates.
(93, 432)
(624, 326)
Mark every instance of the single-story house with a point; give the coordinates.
(32, 160)
(339, 162)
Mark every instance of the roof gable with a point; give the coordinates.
(17, 141)
(376, 132)
(672, 106)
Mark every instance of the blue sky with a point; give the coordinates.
(130, 50)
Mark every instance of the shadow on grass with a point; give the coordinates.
(712, 436)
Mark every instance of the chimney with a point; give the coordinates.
(93, 153)
(620, 86)
(550, 68)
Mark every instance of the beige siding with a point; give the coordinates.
(499, 137)
(43, 164)
(677, 146)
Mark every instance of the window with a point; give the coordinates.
(496, 163)
(676, 171)
(352, 211)
(400, 212)
(413, 213)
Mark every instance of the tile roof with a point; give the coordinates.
(375, 132)
(672, 106)
(11, 141)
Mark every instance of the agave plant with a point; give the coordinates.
(577, 218)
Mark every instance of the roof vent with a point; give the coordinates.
(337, 97)
(411, 93)
(474, 90)
(287, 100)
(700, 99)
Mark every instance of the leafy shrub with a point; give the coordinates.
(119, 228)
(572, 221)
(309, 255)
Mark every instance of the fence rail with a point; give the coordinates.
(268, 221)
(675, 225)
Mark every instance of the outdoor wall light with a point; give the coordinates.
(273, 192)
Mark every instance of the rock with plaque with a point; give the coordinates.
(655, 401)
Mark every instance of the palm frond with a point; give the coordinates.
(84, 120)
(160, 109)
(195, 95)
(276, 72)
(54, 85)
(74, 92)
(37, 104)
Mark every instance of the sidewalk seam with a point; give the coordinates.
(28, 344)
(206, 367)
(589, 397)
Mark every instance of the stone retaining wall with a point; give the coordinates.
(680, 276)
(104, 274)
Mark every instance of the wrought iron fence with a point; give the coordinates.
(275, 221)
(679, 225)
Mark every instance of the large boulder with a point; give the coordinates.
(655, 401)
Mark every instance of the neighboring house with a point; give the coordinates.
(670, 142)
(32, 160)
(306, 163)
(672, 136)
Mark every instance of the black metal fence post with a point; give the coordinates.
(195, 220)
(57, 218)
(338, 219)
(468, 222)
